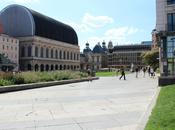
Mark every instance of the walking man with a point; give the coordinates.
(122, 74)
(137, 70)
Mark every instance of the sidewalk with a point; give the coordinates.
(104, 104)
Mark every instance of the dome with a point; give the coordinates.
(87, 49)
(104, 46)
(98, 49)
(19, 21)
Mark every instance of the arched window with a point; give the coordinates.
(29, 67)
(51, 53)
(56, 54)
(42, 52)
(56, 67)
(47, 67)
(29, 51)
(36, 51)
(52, 67)
(23, 51)
(36, 67)
(61, 67)
(64, 67)
(47, 53)
(42, 67)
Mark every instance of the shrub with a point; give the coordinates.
(4, 82)
(18, 79)
(33, 77)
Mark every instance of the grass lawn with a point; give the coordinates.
(99, 74)
(163, 114)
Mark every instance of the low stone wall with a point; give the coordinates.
(11, 88)
(163, 81)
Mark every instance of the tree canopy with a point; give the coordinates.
(151, 58)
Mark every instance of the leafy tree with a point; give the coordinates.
(151, 58)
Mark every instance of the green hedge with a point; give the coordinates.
(34, 77)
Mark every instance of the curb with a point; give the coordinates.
(12, 88)
(145, 117)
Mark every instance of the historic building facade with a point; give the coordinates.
(127, 55)
(9, 49)
(95, 59)
(114, 56)
(44, 43)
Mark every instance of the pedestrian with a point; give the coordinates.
(152, 72)
(122, 74)
(144, 70)
(137, 70)
(149, 70)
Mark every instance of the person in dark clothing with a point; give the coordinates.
(149, 71)
(122, 74)
(137, 70)
(144, 70)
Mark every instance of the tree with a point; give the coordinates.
(151, 58)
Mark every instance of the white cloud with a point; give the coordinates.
(80, 27)
(24, 1)
(121, 31)
(96, 21)
(90, 22)
(116, 35)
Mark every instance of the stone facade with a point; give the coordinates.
(127, 55)
(95, 59)
(42, 54)
(113, 56)
(165, 33)
(9, 46)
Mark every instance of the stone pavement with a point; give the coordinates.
(104, 104)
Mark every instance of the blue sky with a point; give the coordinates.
(122, 21)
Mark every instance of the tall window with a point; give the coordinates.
(60, 54)
(64, 55)
(29, 51)
(71, 55)
(42, 52)
(171, 22)
(67, 55)
(36, 51)
(170, 2)
(23, 51)
(47, 53)
(56, 54)
(52, 53)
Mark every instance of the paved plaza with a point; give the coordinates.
(104, 104)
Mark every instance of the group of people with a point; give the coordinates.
(149, 69)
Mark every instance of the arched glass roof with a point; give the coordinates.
(20, 21)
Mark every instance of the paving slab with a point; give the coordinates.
(104, 104)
